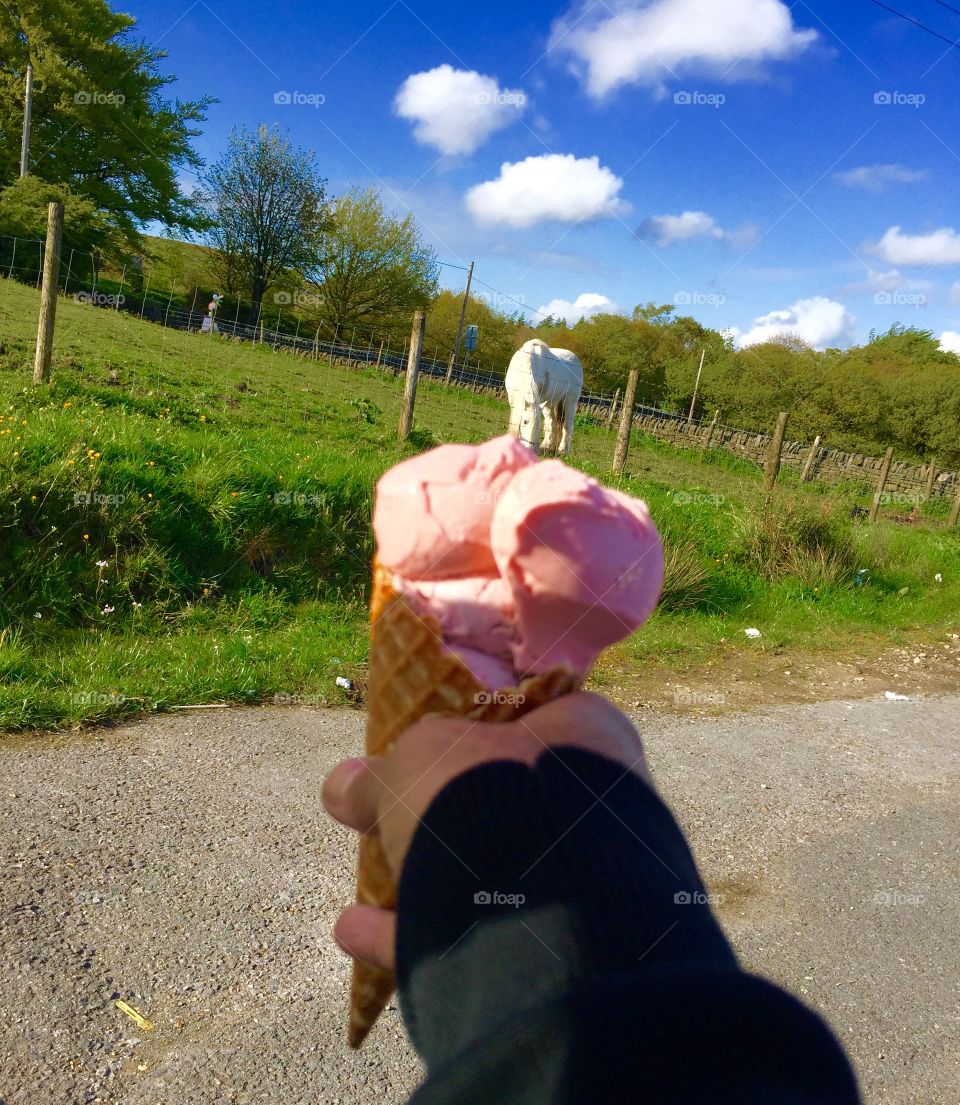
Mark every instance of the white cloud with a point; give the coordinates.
(584, 306)
(877, 177)
(650, 41)
(557, 187)
(665, 230)
(953, 296)
(939, 247)
(456, 110)
(950, 341)
(819, 321)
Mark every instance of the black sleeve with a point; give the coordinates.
(555, 945)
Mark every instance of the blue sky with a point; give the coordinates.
(767, 167)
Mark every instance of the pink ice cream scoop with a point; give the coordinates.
(433, 512)
(474, 612)
(526, 567)
(584, 563)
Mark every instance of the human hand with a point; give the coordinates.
(388, 795)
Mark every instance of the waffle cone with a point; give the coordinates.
(412, 675)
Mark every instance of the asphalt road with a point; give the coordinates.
(183, 865)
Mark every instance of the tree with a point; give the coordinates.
(267, 208)
(497, 332)
(101, 124)
(374, 268)
(88, 235)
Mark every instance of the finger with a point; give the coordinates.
(349, 794)
(367, 933)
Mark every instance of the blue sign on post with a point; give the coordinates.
(470, 339)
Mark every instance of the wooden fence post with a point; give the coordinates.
(380, 355)
(611, 414)
(626, 422)
(811, 459)
(48, 295)
(713, 427)
(931, 476)
(775, 452)
(955, 513)
(413, 371)
(881, 484)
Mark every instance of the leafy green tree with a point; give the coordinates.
(374, 269)
(101, 122)
(497, 332)
(88, 235)
(267, 208)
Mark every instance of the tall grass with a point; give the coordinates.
(185, 520)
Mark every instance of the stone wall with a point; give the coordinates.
(832, 466)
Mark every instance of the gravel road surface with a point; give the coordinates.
(182, 865)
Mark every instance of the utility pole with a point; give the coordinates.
(27, 116)
(696, 386)
(463, 316)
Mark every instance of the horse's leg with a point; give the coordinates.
(556, 429)
(536, 428)
(569, 413)
(547, 444)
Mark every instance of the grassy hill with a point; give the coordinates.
(185, 519)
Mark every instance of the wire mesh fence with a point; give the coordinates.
(212, 359)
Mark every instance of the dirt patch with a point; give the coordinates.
(740, 680)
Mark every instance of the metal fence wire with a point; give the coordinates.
(21, 259)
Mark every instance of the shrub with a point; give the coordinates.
(815, 547)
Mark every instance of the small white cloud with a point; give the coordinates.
(953, 296)
(877, 177)
(666, 230)
(456, 110)
(939, 247)
(818, 321)
(649, 42)
(950, 341)
(585, 305)
(558, 187)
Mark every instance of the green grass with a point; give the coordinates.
(185, 519)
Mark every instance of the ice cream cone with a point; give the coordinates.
(412, 675)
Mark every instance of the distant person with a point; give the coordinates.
(552, 940)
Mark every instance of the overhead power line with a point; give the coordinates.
(949, 7)
(917, 23)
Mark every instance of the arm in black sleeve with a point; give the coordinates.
(554, 945)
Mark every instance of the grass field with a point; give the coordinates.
(185, 519)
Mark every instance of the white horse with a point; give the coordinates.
(543, 389)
